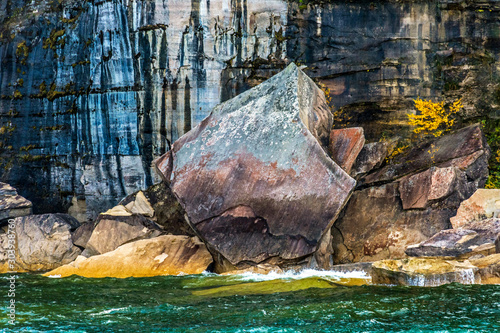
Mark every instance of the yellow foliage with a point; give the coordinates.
(433, 118)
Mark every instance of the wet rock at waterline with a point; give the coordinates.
(484, 203)
(163, 255)
(12, 205)
(43, 242)
(117, 227)
(345, 146)
(431, 272)
(411, 199)
(423, 272)
(254, 177)
(477, 237)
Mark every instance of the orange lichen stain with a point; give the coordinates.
(274, 165)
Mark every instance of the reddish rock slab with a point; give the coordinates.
(254, 177)
(463, 149)
(345, 146)
(484, 203)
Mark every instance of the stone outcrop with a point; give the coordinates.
(163, 255)
(254, 177)
(409, 200)
(12, 205)
(117, 227)
(476, 238)
(43, 242)
(91, 110)
(345, 146)
(166, 210)
(434, 271)
(483, 204)
(372, 156)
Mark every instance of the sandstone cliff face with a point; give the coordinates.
(93, 91)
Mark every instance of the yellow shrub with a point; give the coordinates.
(433, 118)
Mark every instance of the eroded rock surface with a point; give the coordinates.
(254, 177)
(477, 237)
(484, 203)
(12, 205)
(43, 242)
(112, 231)
(410, 200)
(163, 255)
(345, 146)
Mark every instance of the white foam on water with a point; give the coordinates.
(110, 311)
(304, 274)
(55, 276)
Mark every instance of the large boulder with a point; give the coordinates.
(407, 202)
(484, 203)
(43, 242)
(254, 177)
(345, 146)
(163, 255)
(117, 227)
(477, 238)
(12, 205)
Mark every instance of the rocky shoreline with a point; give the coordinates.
(263, 184)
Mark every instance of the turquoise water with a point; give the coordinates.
(210, 303)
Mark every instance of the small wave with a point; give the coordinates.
(304, 274)
(110, 311)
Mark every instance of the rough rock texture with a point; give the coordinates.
(484, 203)
(82, 234)
(423, 272)
(372, 156)
(497, 244)
(163, 255)
(112, 231)
(167, 212)
(98, 89)
(11, 204)
(410, 200)
(477, 237)
(345, 145)
(254, 172)
(44, 242)
(489, 268)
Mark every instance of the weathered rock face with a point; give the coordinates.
(11, 204)
(372, 156)
(409, 201)
(44, 242)
(345, 145)
(477, 237)
(163, 255)
(484, 203)
(166, 210)
(489, 268)
(93, 91)
(254, 172)
(112, 231)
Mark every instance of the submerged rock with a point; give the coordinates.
(345, 146)
(254, 177)
(12, 205)
(113, 230)
(484, 203)
(163, 255)
(409, 201)
(477, 237)
(43, 242)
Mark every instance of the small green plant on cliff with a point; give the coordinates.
(433, 118)
(491, 129)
